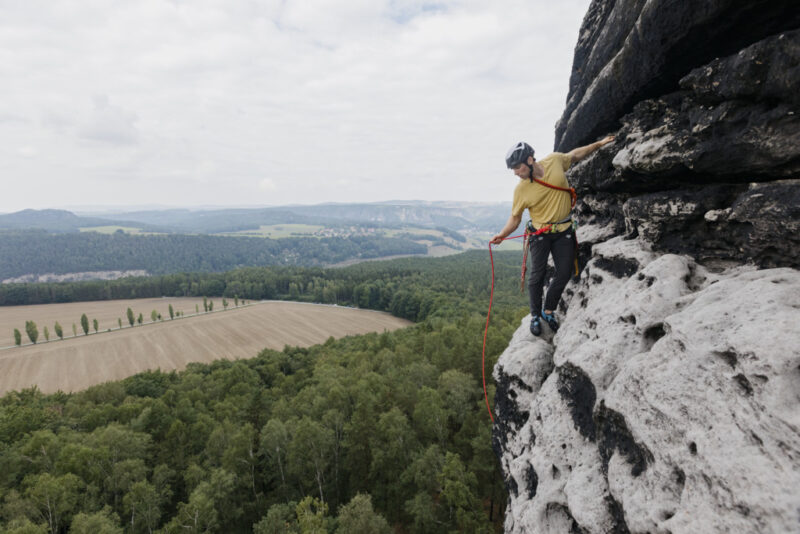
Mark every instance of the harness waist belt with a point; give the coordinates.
(546, 226)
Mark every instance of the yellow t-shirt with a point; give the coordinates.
(545, 205)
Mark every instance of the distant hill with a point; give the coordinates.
(56, 221)
(211, 221)
(452, 215)
(455, 216)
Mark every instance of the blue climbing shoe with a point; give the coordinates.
(551, 321)
(536, 326)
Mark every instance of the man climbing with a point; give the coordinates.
(549, 207)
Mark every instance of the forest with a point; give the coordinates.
(410, 288)
(36, 251)
(366, 434)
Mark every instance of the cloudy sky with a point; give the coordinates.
(244, 102)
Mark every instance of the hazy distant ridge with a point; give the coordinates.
(453, 215)
(54, 221)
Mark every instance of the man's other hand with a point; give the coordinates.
(606, 140)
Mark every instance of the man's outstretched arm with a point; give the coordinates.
(583, 151)
(510, 226)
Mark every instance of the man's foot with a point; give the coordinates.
(536, 326)
(551, 320)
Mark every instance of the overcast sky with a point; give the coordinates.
(245, 103)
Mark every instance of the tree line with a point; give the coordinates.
(38, 252)
(32, 329)
(405, 287)
(373, 433)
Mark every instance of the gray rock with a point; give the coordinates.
(766, 70)
(632, 50)
(727, 223)
(695, 151)
(667, 402)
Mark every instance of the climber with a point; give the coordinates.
(549, 207)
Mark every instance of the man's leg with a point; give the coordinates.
(540, 250)
(563, 248)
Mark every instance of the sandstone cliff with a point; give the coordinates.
(669, 401)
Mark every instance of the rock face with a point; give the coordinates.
(669, 401)
(698, 134)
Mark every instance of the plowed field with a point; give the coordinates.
(77, 363)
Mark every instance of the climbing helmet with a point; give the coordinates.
(518, 153)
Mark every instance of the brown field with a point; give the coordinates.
(77, 363)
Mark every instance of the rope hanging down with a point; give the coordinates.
(489, 313)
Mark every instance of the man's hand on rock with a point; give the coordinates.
(608, 139)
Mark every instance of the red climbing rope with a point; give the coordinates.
(573, 196)
(489, 314)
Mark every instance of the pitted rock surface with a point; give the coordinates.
(668, 402)
(687, 161)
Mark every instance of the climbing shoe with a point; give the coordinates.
(536, 326)
(551, 321)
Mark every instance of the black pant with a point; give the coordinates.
(562, 246)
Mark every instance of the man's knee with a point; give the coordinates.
(537, 275)
(564, 258)
(563, 274)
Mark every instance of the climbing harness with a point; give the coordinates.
(545, 229)
(532, 231)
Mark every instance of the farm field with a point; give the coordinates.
(278, 231)
(111, 229)
(75, 364)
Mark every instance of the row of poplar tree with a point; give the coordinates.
(32, 330)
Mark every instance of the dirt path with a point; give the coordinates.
(75, 364)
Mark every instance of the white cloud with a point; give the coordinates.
(364, 100)
(109, 124)
(265, 184)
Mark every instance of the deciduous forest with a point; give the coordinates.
(32, 251)
(375, 433)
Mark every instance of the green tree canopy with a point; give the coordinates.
(32, 331)
(358, 517)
